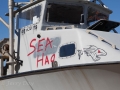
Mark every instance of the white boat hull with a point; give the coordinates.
(102, 77)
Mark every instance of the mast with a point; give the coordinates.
(11, 34)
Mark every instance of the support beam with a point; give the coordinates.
(4, 22)
(115, 31)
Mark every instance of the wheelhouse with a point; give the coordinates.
(46, 13)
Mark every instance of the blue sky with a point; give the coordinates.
(114, 5)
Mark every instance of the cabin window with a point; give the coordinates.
(64, 13)
(94, 15)
(67, 50)
(29, 16)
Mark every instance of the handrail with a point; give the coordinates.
(7, 63)
(101, 39)
(2, 58)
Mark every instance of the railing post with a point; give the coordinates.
(1, 66)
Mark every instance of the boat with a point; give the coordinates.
(62, 45)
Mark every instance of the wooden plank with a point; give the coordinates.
(4, 57)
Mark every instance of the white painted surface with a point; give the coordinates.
(90, 78)
(87, 78)
(94, 51)
(110, 37)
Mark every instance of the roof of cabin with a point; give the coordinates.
(79, 1)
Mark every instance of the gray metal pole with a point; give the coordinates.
(11, 34)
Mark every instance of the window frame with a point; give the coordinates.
(61, 3)
(17, 22)
(70, 55)
(100, 11)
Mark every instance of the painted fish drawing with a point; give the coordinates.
(94, 52)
